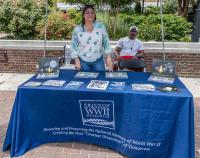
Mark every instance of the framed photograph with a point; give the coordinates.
(163, 71)
(48, 68)
(164, 68)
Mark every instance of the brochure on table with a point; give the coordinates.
(48, 68)
(163, 71)
(54, 83)
(74, 85)
(143, 87)
(98, 84)
(116, 75)
(32, 84)
(86, 75)
(117, 85)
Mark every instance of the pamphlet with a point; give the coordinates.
(86, 75)
(117, 85)
(74, 85)
(143, 87)
(161, 79)
(48, 68)
(55, 83)
(116, 75)
(32, 84)
(47, 75)
(98, 84)
(163, 71)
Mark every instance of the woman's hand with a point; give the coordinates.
(109, 63)
(77, 64)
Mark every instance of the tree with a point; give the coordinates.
(19, 18)
(183, 7)
(114, 6)
(138, 9)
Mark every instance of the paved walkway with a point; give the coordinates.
(8, 86)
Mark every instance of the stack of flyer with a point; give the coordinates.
(143, 87)
(117, 85)
(32, 84)
(86, 75)
(116, 75)
(98, 84)
(74, 85)
(54, 83)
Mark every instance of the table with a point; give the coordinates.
(135, 123)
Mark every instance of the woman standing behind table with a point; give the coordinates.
(89, 41)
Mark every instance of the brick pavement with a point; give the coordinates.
(70, 150)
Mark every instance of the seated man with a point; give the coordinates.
(130, 48)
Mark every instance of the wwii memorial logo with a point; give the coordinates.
(99, 113)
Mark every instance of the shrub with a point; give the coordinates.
(57, 27)
(152, 10)
(6, 15)
(115, 26)
(138, 7)
(175, 28)
(19, 19)
(170, 6)
(75, 16)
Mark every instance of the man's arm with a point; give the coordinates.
(140, 54)
(117, 52)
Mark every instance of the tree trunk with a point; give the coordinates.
(196, 26)
(183, 7)
(142, 6)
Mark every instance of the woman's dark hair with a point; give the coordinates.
(84, 9)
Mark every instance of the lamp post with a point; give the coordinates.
(45, 29)
(162, 29)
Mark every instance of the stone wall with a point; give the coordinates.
(187, 64)
(22, 56)
(24, 61)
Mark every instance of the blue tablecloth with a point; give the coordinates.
(134, 123)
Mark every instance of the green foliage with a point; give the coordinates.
(6, 15)
(115, 26)
(24, 19)
(58, 27)
(175, 28)
(170, 6)
(20, 19)
(138, 7)
(74, 15)
(152, 10)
